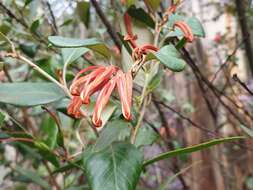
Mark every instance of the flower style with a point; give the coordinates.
(186, 30)
(103, 79)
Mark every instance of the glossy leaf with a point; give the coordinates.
(169, 57)
(140, 15)
(118, 167)
(91, 43)
(190, 149)
(110, 133)
(34, 177)
(29, 94)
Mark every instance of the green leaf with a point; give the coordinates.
(33, 176)
(145, 136)
(248, 131)
(190, 149)
(50, 131)
(155, 81)
(140, 15)
(72, 54)
(46, 153)
(83, 11)
(30, 94)
(169, 56)
(35, 25)
(196, 26)
(91, 43)
(117, 167)
(29, 49)
(2, 117)
(110, 133)
(192, 22)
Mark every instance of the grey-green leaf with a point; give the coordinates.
(71, 54)
(30, 94)
(117, 167)
(169, 56)
(91, 43)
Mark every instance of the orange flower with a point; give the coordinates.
(186, 30)
(103, 79)
(102, 100)
(74, 107)
(85, 86)
(125, 86)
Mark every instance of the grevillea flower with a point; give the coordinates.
(186, 30)
(125, 86)
(85, 86)
(103, 79)
(102, 100)
(74, 107)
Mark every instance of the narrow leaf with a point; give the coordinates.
(190, 149)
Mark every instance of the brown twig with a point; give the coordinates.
(236, 78)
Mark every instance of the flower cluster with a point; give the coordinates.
(103, 80)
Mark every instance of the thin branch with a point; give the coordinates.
(55, 28)
(236, 78)
(107, 24)
(35, 67)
